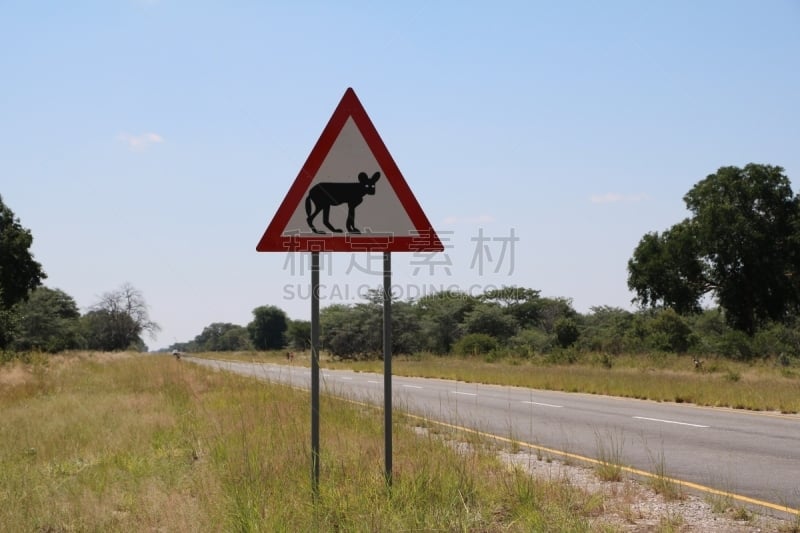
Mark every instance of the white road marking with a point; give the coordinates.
(543, 404)
(464, 393)
(412, 386)
(346, 378)
(670, 422)
(373, 381)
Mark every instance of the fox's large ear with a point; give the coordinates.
(375, 177)
(362, 177)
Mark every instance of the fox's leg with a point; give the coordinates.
(326, 213)
(351, 217)
(311, 217)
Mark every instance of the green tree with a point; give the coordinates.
(606, 329)
(235, 339)
(551, 310)
(405, 324)
(19, 272)
(742, 244)
(352, 332)
(117, 321)
(491, 320)
(298, 334)
(406, 329)
(531, 341)
(475, 344)
(525, 305)
(8, 324)
(668, 269)
(440, 316)
(566, 330)
(268, 328)
(222, 337)
(108, 331)
(670, 332)
(47, 321)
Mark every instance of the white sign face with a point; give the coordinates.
(375, 207)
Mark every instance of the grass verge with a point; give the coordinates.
(136, 443)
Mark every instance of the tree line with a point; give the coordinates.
(270, 329)
(511, 321)
(739, 248)
(49, 321)
(37, 318)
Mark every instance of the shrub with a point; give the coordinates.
(776, 340)
(736, 345)
(562, 356)
(475, 344)
(612, 330)
(670, 332)
(531, 341)
(490, 320)
(566, 332)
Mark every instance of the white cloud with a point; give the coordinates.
(138, 143)
(614, 197)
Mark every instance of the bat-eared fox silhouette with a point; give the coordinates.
(324, 195)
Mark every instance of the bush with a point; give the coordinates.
(604, 359)
(775, 340)
(531, 341)
(565, 356)
(669, 332)
(6, 356)
(566, 332)
(351, 332)
(490, 320)
(475, 344)
(736, 345)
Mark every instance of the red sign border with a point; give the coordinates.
(425, 239)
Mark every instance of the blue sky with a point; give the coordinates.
(151, 142)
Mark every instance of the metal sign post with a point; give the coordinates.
(387, 363)
(315, 373)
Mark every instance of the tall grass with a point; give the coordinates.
(144, 443)
(610, 446)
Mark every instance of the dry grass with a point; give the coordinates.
(146, 443)
(92, 445)
(610, 447)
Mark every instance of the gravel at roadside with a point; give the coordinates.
(632, 505)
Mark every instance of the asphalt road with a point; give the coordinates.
(755, 455)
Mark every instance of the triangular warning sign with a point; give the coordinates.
(349, 196)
